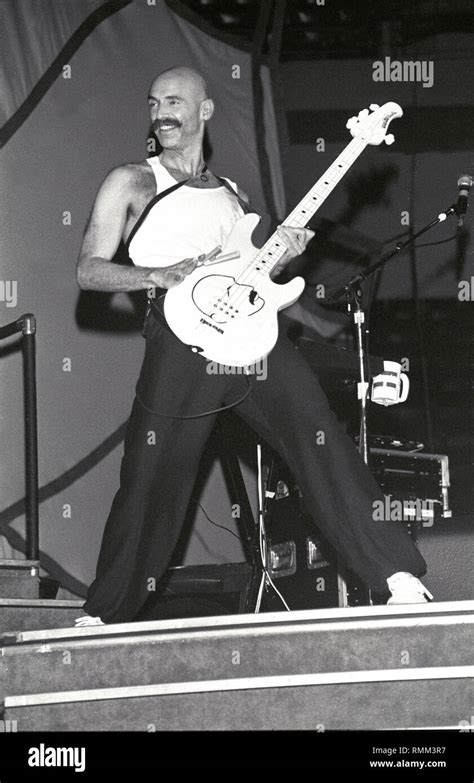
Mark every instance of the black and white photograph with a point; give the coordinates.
(236, 381)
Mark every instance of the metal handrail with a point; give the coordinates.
(26, 324)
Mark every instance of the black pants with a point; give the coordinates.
(161, 460)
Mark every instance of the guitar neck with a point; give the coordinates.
(274, 248)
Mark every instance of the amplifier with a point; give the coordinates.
(304, 567)
(417, 481)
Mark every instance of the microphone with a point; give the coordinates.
(464, 184)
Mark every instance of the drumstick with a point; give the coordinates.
(213, 253)
(225, 257)
(210, 258)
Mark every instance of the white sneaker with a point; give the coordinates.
(407, 589)
(86, 620)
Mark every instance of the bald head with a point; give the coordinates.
(193, 80)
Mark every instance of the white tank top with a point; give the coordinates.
(183, 224)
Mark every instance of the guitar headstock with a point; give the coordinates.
(371, 126)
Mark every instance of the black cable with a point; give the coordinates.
(223, 527)
(268, 581)
(198, 415)
(439, 242)
(424, 244)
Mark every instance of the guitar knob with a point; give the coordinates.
(389, 139)
(374, 106)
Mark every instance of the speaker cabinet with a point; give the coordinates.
(303, 566)
(200, 591)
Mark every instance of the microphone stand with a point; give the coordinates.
(353, 294)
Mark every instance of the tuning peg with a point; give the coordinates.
(374, 106)
(389, 138)
(351, 122)
(363, 114)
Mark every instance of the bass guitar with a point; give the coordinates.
(229, 314)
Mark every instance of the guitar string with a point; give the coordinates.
(250, 274)
(305, 206)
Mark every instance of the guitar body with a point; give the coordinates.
(226, 313)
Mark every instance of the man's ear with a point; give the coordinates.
(207, 109)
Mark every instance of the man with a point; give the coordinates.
(177, 400)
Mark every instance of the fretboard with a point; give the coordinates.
(274, 248)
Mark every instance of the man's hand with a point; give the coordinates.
(169, 276)
(296, 240)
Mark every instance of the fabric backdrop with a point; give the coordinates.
(75, 76)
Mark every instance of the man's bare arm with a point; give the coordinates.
(95, 269)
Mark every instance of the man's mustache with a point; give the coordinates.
(158, 123)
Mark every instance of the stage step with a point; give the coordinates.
(270, 658)
(23, 614)
(146, 653)
(19, 578)
(439, 697)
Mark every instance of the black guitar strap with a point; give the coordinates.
(140, 221)
(246, 207)
(150, 206)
